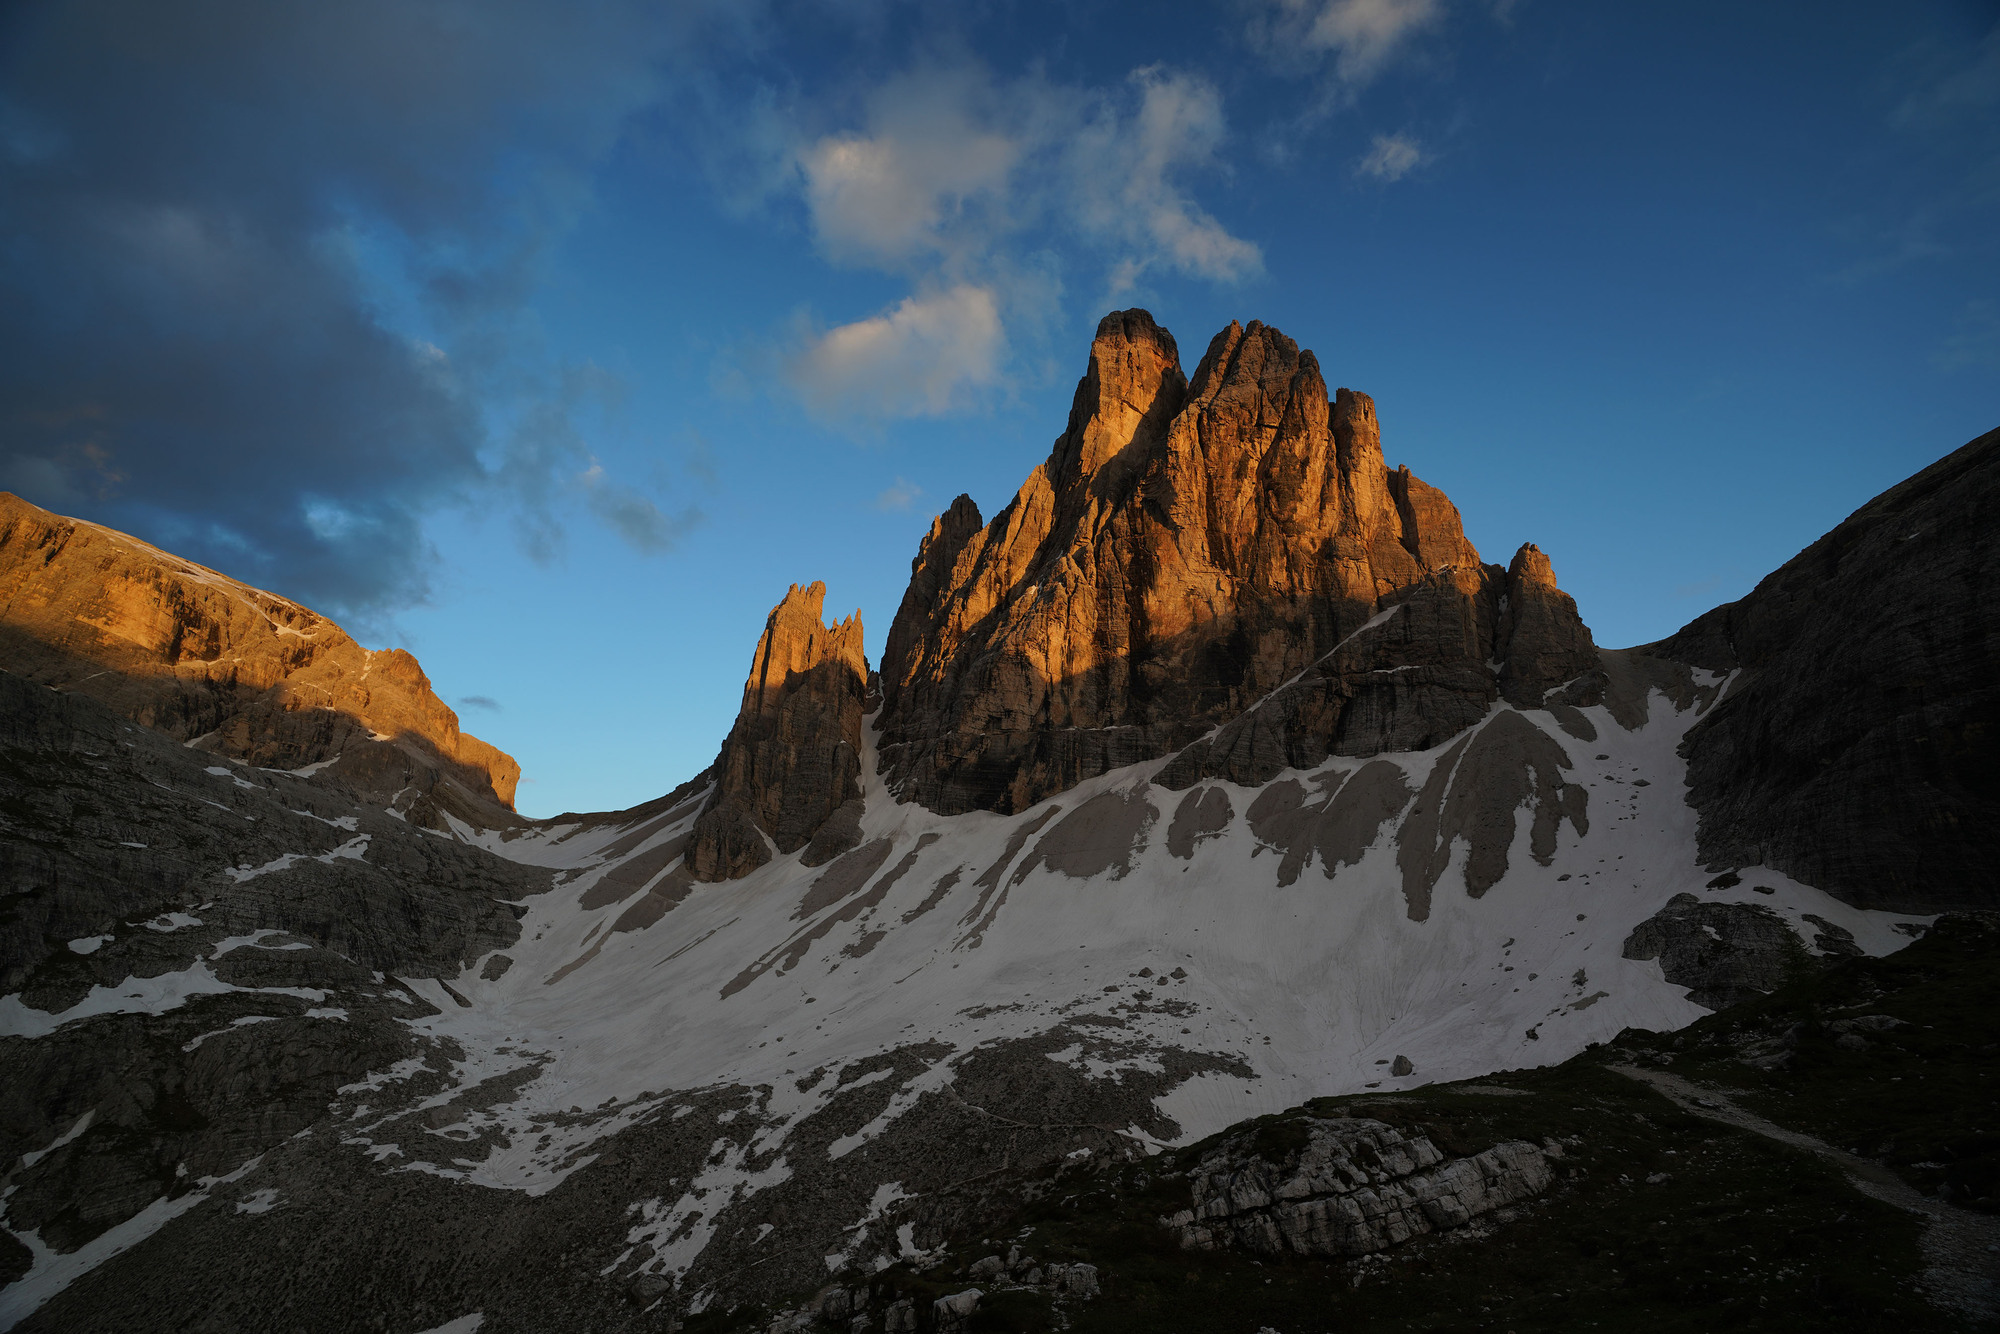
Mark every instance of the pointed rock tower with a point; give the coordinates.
(789, 774)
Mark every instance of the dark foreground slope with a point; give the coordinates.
(1822, 1158)
(247, 997)
(1857, 752)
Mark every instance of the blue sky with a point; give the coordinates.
(554, 342)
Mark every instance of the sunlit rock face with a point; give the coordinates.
(791, 765)
(226, 667)
(1189, 548)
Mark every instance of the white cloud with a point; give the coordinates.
(936, 145)
(951, 170)
(1392, 157)
(1362, 36)
(962, 183)
(900, 496)
(926, 356)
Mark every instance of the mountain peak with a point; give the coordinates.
(1189, 547)
(1130, 391)
(795, 642)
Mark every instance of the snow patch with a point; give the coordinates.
(465, 1324)
(169, 922)
(352, 850)
(681, 1231)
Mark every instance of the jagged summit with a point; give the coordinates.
(1190, 546)
(228, 668)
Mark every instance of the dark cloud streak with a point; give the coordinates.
(264, 266)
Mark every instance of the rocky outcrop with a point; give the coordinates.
(791, 766)
(1353, 1187)
(1854, 748)
(226, 667)
(1224, 552)
(1721, 952)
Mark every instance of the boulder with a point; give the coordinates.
(1722, 952)
(1351, 1187)
(954, 1313)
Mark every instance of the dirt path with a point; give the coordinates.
(1961, 1248)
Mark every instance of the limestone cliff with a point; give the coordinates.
(788, 776)
(1197, 554)
(223, 666)
(1854, 748)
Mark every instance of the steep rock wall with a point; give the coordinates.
(1855, 749)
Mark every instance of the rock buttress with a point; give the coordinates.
(1189, 548)
(790, 769)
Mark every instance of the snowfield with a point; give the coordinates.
(972, 930)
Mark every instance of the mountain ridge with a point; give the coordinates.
(803, 1022)
(224, 666)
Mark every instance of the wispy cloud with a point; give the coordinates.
(1391, 157)
(899, 496)
(486, 703)
(1123, 177)
(1360, 37)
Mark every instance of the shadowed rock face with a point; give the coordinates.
(120, 833)
(227, 667)
(1544, 639)
(1189, 548)
(791, 766)
(1855, 750)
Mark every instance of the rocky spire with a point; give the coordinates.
(788, 776)
(1189, 547)
(1542, 639)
